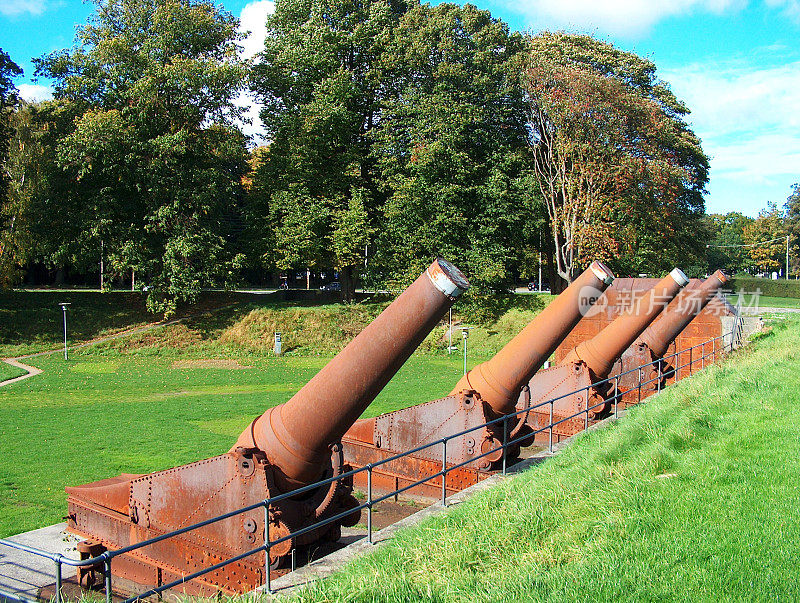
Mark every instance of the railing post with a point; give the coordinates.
(691, 359)
(58, 578)
(702, 355)
(551, 426)
(369, 503)
(586, 408)
(616, 395)
(444, 473)
(639, 373)
(714, 349)
(505, 442)
(660, 375)
(107, 571)
(267, 577)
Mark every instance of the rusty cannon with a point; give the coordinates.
(576, 388)
(293, 445)
(487, 392)
(650, 350)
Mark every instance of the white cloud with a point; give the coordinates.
(726, 99)
(33, 93)
(253, 22)
(747, 118)
(626, 18)
(790, 7)
(17, 7)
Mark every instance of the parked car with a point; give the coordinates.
(334, 286)
(534, 286)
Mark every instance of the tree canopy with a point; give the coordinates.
(398, 128)
(152, 153)
(8, 102)
(396, 132)
(620, 172)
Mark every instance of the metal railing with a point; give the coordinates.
(717, 346)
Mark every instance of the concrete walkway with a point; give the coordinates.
(23, 575)
(30, 371)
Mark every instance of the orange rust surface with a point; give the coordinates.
(617, 298)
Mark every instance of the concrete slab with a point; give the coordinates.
(23, 575)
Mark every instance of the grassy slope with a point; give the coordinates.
(240, 325)
(694, 496)
(32, 321)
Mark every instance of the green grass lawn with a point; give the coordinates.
(763, 301)
(97, 416)
(9, 372)
(693, 496)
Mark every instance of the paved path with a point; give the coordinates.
(30, 371)
(23, 575)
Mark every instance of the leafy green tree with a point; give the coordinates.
(792, 209)
(765, 238)
(620, 172)
(8, 102)
(321, 79)
(452, 146)
(156, 162)
(726, 249)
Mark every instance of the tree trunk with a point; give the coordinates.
(348, 284)
(557, 284)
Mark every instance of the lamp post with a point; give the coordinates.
(64, 309)
(465, 336)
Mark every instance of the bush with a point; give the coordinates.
(768, 287)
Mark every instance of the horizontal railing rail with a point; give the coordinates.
(104, 560)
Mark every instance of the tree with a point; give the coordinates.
(321, 80)
(765, 238)
(726, 249)
(8, 102)
(451, 145)
(153, 154)
(792, 209)
(621, 174)
(398, 134)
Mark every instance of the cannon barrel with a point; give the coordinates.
(600, 352)
(688, 304)
(296, 436)
(499, 380)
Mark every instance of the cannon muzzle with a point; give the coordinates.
(499, 380)
(680, 313)
(296, 436)
(600, 352)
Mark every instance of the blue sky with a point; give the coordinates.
(735, 63)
